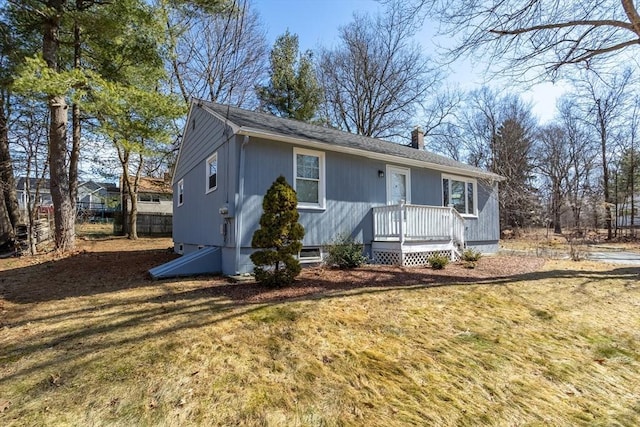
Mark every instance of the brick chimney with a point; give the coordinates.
(417, 138)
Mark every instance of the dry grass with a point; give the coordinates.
(560, 347)
(544, 243)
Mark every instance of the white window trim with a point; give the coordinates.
(181, 191)
(304, 260)
(206, 173)
(466, 180)
(149, 201)
(406, 172)
(321, 182)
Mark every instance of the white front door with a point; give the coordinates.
(398, 185)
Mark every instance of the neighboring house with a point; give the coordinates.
(403, 203)
(98, 196)
(625, 215)
(155, 206)
(38, 189)
(155, 196)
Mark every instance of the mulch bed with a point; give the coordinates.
(109, 268)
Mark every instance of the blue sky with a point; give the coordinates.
(316, 23)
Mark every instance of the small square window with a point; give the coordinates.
(310, 255)
(212, 172)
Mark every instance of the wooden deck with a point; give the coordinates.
(409, 234)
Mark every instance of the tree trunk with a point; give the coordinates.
(557, 229)
(129, 194)
(75, 117)
(9, 208)
(133, 219)
(63, 204)
(605, 172)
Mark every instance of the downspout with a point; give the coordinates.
(240, 202)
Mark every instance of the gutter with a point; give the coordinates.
(239, 203)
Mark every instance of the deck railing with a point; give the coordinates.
(417, 223)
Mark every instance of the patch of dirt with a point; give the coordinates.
(96, 266)
(109, 265)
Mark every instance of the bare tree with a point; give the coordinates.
(547, 34)
(219, 57)
(626, 173)
(376, 78)
(440, 122)
(553, 158)
(603, 105)
(29, 139)
(583, 154)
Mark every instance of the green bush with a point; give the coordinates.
(279, 237)
(345, 252)
(438, 262)
(470, 258)
(471, 255)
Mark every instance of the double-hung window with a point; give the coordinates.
(460, 192)
(180, 192)
(309, 179)
(212, 172)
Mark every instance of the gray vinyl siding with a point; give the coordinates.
(200, 134)
(486, 226)
(198, 221)
(353, 187)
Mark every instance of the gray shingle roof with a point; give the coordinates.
(268, 123)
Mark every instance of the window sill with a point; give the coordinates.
(211, 190)
(311, 208)
(310, 260)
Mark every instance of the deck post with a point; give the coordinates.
(452, 232)
(401, 231)
(401, 225)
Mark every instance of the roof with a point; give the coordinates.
(33, 183)
(94, 186)
(154, 185)
(272, 127)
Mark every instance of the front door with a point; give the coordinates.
(398, 185)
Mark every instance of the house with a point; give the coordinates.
(98, 196)
(403, 203)
(628, 216)
(33, 190)
(97, 201)
(155, 195)
(155, 206)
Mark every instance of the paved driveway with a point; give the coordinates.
(616, 257)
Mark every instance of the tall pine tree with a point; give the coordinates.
(293, 91)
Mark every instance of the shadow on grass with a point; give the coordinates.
(82, 274)
(91, 273)
(79, 333)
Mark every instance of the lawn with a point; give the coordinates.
(90, 340)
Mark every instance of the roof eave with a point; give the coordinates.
(252, 132)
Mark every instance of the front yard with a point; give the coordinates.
(90, 340)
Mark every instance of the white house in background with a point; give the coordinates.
(34, 189)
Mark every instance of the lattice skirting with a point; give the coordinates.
(411, 259)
